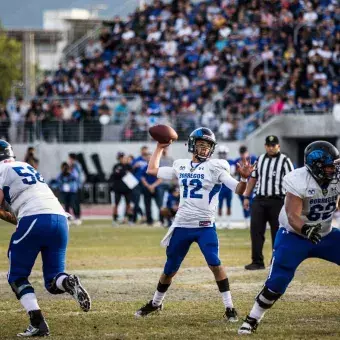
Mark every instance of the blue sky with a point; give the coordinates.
(29, 13)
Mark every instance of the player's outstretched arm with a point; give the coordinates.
(153, 165)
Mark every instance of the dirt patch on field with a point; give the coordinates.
(191, 284)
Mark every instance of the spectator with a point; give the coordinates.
(68, 189)
(77, 172)
(118, 186)
(151, 190)
(121, 111)
(31, 158)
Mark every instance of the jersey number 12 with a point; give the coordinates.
(196, 184)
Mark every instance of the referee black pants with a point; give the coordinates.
(263, 210)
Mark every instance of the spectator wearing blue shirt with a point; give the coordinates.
(77, 172)
(68, 188)
(138, 166)
(245, 156)
(150, 189)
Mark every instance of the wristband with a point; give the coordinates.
(246, 197)
(244, 180)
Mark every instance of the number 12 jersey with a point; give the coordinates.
(199, 185)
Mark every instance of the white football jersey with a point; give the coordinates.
(199, 190)
(318, 205)
(26, 192)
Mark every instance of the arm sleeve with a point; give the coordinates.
(291, 186)
(166, 172)
(228, 181)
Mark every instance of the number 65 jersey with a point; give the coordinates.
(26, 192)
(199, 185)
(319, 204)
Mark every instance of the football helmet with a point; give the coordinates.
(202, 133)
(321, 154)
(6, 150)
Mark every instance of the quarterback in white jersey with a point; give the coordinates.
(200, 180)
(305, 225)
(42, 228)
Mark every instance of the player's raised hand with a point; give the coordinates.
(163, 145)
(312, 232)
(245, 168)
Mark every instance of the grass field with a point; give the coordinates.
(120, 268)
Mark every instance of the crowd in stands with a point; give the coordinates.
(225, 64)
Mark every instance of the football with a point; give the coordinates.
(163, 133)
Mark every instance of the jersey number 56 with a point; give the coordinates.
(31, 175)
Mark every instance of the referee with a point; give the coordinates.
(272, 166)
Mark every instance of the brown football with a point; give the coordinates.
(163, 133)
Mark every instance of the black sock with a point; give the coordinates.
(163, 287)
(36, 317)
(223, 285)
(115, 217)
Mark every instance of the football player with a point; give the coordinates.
(200, 179)
(41, 227)
(305, 225)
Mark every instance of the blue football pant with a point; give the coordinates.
(227, 195)
(45, 233)
(291, 249)
(180, 243)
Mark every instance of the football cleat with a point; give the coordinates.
(38, 330)
(249, 326)
(73, 286)
(231, 315)
(147, 309)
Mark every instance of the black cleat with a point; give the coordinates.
(73, 286)
(254, 266)
(38, 326)
(231, 315)
(249, 326)
(147, 309)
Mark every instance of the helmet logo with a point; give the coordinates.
(271, 138)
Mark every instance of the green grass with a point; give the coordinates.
(120, 268)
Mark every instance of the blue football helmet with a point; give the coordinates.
(320, 154)
(6, 150)
(201, 133)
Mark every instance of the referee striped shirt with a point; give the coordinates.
(269, 173)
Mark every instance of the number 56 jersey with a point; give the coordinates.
(319, 204)
(199, 186)
(26, 192)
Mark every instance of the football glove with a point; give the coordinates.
(312, 232)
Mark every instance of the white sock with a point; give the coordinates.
(227, 300)
(158, 298)
(59, 282)
(257, 312)
(29, 302)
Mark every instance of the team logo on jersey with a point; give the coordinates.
(333, 190)
(325, 192)
(182, 167)
(311, 192)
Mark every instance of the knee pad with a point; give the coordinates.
(266, 298)
(21, 287)
(51, 286)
